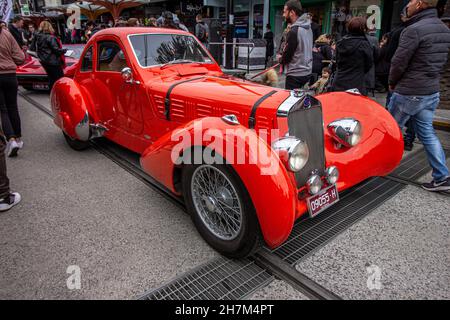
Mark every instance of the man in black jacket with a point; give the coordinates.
(410, 134)
(414, 78)
(15, 28)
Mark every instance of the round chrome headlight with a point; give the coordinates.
(332, 174)
(314, 184)
(355, 135)
(346, 131)
(293, 152)
(298, 156)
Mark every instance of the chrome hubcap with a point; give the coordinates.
(216, 201)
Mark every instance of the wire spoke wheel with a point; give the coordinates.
(217, 202)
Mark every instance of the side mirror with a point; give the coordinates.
(127, 74)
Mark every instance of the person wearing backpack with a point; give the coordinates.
(201, 30)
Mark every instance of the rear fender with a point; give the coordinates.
(70, 109)
(260, 170)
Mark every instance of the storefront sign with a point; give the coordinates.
(192, 7)
(25, 10)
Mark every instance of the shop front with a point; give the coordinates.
(331, 15)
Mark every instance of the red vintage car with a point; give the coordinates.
(247, 159)
(32, 76)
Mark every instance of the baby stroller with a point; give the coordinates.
(329, 84)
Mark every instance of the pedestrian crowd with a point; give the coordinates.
(406, 63)
(15, 44)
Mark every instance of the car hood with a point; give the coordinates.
(206, 95)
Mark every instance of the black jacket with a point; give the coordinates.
(17, 34)
(48, 49)
(394, 39)
(315, 27)
(421, 55)
(370, 76)
(321, 52)
(268, 36)
(382, 65)
(354, 58)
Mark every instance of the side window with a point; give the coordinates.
(86, 64)
(110, 57)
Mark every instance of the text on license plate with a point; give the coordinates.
(323, 200)
(40, 86)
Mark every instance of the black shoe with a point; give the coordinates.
(408, 146)
(437, 186)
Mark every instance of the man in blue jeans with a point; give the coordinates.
(414, 79)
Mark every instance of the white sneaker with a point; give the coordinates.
(9, 201)
(12, 148)
(20, 143)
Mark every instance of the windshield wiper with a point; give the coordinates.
(176, 61)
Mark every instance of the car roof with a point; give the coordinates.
(123, 32)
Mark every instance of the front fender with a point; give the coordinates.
(259, 168)
(70, 109)
(380, 149)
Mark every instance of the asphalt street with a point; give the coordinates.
(82, 209)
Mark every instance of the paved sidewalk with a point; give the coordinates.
(80, 208)
(400, 251)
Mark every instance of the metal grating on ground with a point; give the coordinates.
(311, 234)
(224, 279)
(220, 279)
(414, 166)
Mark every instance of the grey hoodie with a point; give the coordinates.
(297, 56)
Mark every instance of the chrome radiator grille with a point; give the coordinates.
(305, 122)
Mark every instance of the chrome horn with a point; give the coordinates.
(346, 131)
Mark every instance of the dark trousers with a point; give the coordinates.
(54, 74)
(4, 181)
(8, 106)
(388, 98)
(410, 134)
(296, 82)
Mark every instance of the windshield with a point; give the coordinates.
(156, 49)
(73, 51)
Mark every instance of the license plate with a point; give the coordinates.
(322, 200)
(40, 86)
